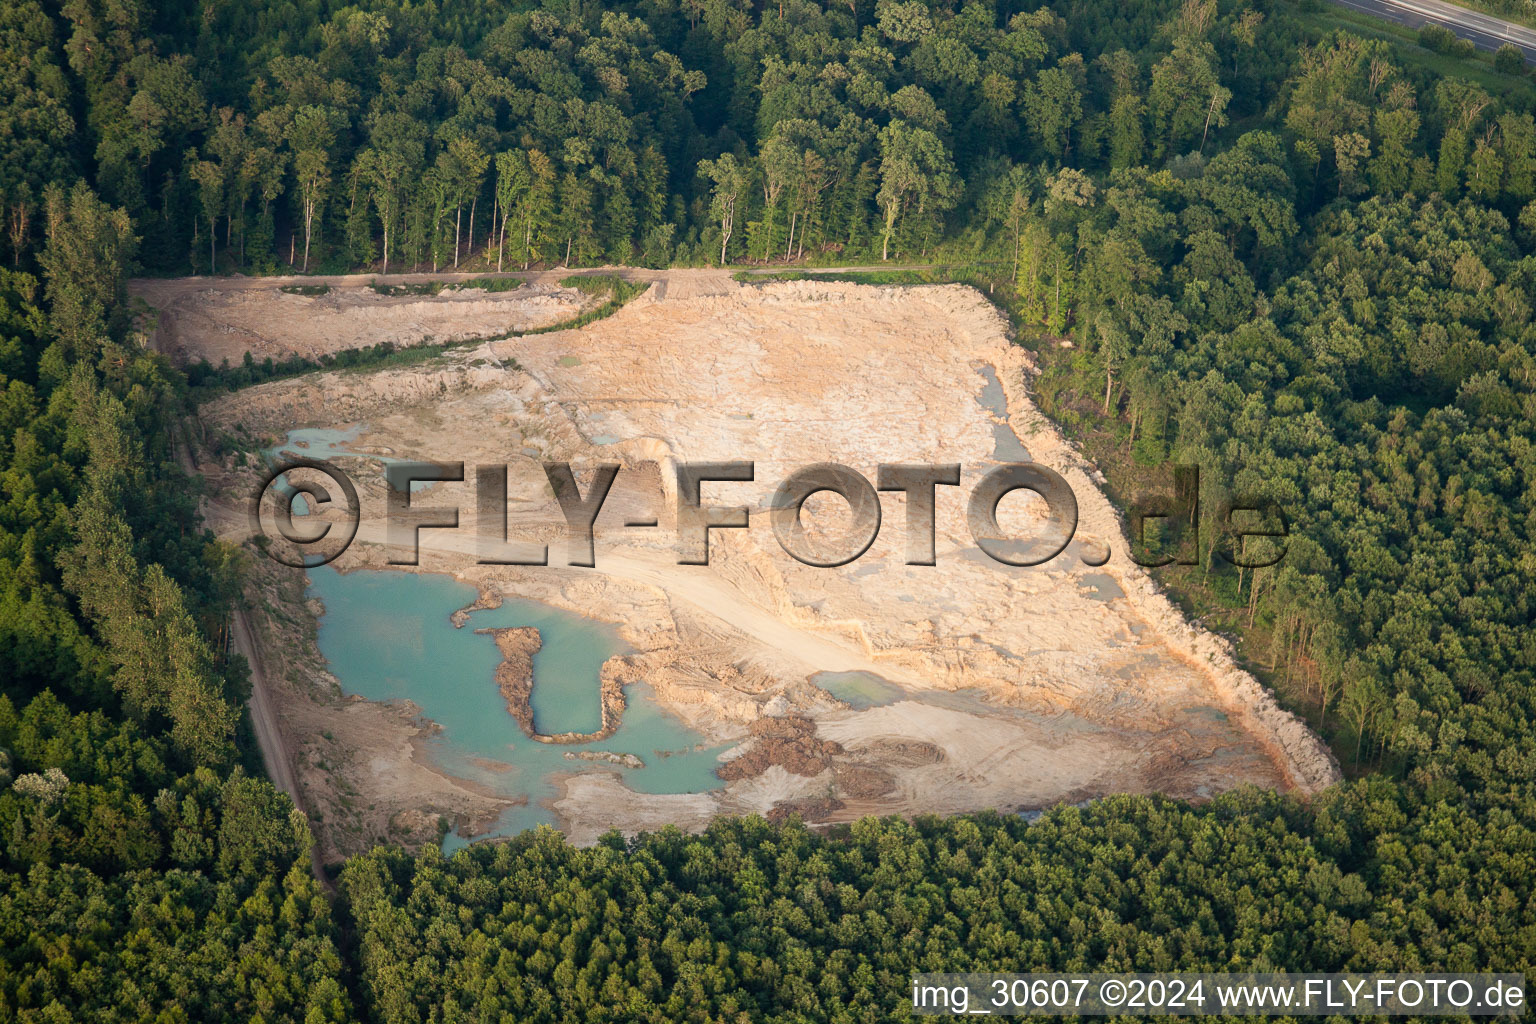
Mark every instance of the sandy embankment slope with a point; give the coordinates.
(1088, 695)
(208, 319)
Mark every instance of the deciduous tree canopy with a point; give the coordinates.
(1301, 259)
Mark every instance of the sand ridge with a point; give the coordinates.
(219, 324)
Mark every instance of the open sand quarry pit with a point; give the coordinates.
(206, 319)
(1010, 688)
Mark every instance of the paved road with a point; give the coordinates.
(1483, 30)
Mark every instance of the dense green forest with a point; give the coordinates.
(1303, 259)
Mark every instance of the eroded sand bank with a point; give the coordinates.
(203, 319)
(1024, 687)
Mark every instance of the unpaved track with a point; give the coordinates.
(269, 735)
(240, 282)
(274, 752)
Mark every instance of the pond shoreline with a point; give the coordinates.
(515, 679)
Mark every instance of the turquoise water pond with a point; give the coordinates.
(387, 636)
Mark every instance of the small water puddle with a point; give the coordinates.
(1006, 446)
(866, 690)
(862, 690)
(324, 443)
(1101, 585)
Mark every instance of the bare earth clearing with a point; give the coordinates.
(1093, 683)
(202, 318)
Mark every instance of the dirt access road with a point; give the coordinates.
(269, 737)
(275, 757)
(184, 285)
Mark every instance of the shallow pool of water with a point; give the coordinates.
(387, 636)
(1102, 586)
(325, 444)
(865, 690)
(862, 690)
(1006, 446)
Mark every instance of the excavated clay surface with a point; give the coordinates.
(1078, 681)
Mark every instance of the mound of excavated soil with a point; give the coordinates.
(790, 743)
(1024, 686)
(812, 809)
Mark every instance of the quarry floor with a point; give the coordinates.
(1090, 682)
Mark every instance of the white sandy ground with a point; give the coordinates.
(1087, 696)
(205, 319)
